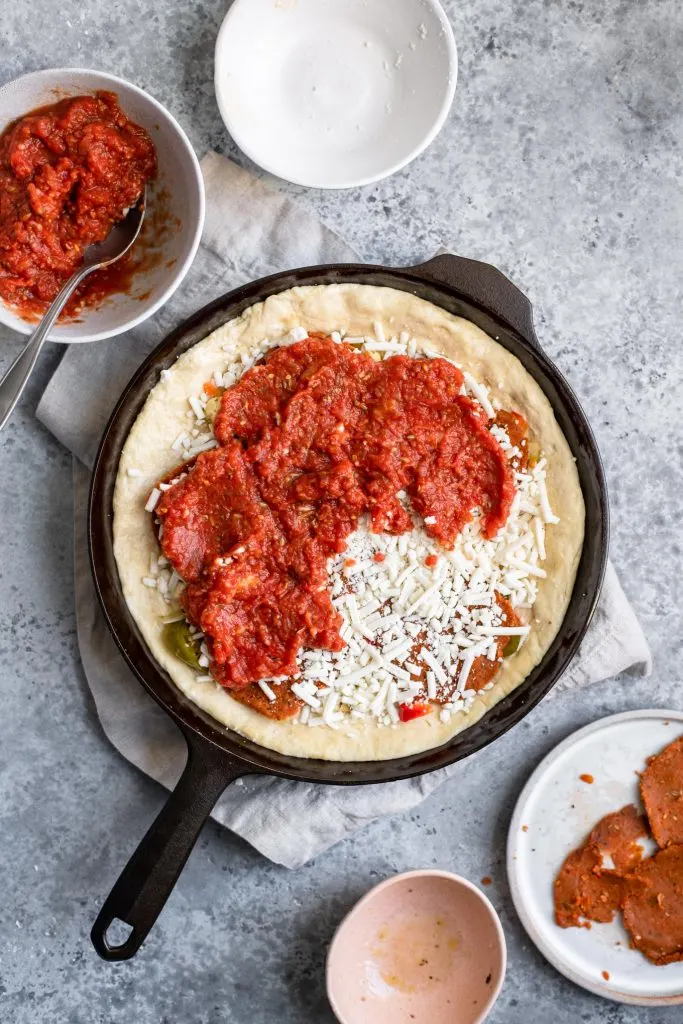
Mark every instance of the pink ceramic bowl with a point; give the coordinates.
(425, 947)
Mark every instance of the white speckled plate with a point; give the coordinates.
(334, 93)
(554, 813)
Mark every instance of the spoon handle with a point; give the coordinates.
(14, 381)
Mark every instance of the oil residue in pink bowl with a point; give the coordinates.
(413, 954)
(421, 947)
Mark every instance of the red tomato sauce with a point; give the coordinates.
(309, 440)
(68, 172)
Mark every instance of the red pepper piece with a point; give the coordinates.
(406, 712)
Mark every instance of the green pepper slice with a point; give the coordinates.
(512, 646)
(180, 642)
(211, 408)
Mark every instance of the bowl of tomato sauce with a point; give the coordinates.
(77, 149)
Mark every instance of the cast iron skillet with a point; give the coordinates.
(217, 756)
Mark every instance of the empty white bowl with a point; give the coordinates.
(334, 93)
(425, 947)
(176, 197)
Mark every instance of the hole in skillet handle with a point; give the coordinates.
(117, 934)
(485, 286)
(138, 897)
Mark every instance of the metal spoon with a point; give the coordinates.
(115, 245)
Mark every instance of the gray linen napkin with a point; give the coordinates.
(251, 230)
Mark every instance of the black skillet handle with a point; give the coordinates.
(147, 880)
(487, 287)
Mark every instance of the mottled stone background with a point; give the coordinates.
(561, 163)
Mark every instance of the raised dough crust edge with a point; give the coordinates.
(354, 308)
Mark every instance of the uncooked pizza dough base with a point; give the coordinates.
(354, 308)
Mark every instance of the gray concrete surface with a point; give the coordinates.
(561, 163)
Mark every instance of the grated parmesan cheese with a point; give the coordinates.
(153, 500)
(267, 690)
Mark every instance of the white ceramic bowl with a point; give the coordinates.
(425, 947)
(334, 93)
(179, 189)
(555, 812)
